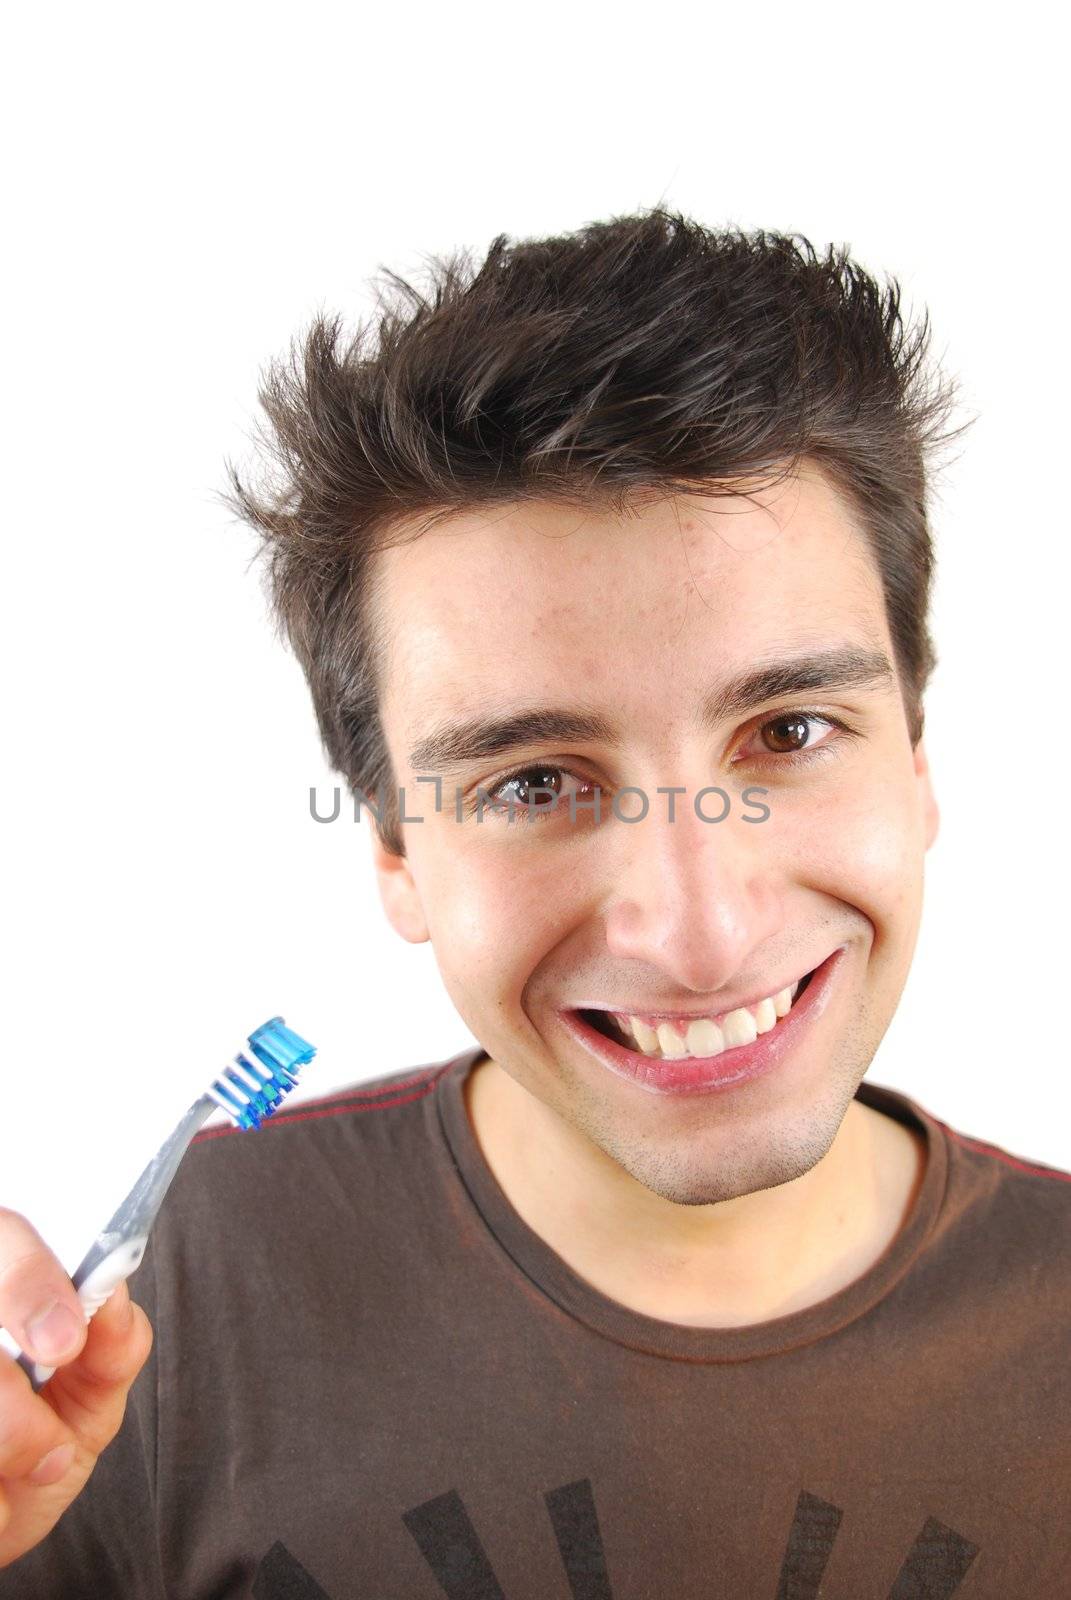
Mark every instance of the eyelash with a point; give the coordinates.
(803, 758)
(795, 758)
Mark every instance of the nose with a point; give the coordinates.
(691, 899)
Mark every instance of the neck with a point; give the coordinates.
(740, 1261)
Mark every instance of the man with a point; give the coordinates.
(609, 568)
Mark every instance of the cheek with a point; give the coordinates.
(494, 909)
(861, 843)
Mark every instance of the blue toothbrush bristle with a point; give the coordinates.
(262, 1074)
(279, 1046)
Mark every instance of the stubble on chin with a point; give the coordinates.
(725, 1160)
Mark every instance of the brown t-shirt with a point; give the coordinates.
(372, 1381)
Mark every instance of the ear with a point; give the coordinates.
(931, 816)
(398, 891)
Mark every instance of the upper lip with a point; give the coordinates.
(717, 1009)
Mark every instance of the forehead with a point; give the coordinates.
(529, 601)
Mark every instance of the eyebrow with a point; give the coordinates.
(463, 741)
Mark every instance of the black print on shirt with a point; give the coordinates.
(935, 1566)
(451, 1547)
(576, 1528)
(281, 1576)
(810, 1539)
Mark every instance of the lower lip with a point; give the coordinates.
(702, 1074)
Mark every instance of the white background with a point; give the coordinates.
(184, 190)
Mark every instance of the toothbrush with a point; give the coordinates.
(250, 1088)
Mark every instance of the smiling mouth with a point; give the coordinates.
(697, 1037)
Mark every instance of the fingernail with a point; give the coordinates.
(54, 1332)
(51, 1468)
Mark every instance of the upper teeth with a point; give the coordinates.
(704, 1036)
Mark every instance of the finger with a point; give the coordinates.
(38, 1303)
(90, 1394)
(30, 1431)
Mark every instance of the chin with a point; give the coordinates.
(699, 1184)
(708, 1167)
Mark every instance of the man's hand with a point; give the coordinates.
(50, 1441)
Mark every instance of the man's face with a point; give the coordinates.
(640, 621)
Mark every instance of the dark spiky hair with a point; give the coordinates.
(647, 355)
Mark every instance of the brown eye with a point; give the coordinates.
(785, 734)
(518, 793)
(524, 793)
